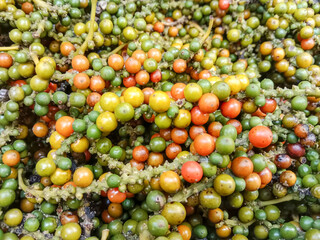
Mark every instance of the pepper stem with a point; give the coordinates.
(233, 223)
(89, 37)
(195, 25)
(289, 197)
(22, 185)
(206, 35)
(10, 48)
(42, 4)
(193, 189)
(105, 234)
(34, 57)
(116, 50)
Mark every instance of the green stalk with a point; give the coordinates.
(89, 37)
(145, 235)
(129, 175)
(34, 57)
(65, 145)
(10, 48)
(233, 223)
(105, 234)
(59, 77)
(22, 185)
(116, 50)
(206, 35)
(40, 28)
(183, 195)
(290, 93)
(9, 131)
(289, 197)
(41, 4)
(195, 25)
(25, 188)
(181, 20)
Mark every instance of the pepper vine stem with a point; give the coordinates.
(105, 234)
(34, 57)
(289, 197)
(10, 48)
(206, 35)
(116, 50)
(41, 4)
(129, 175)
(193, 189)
(233, 223)
(41, 27)
(22, 185)
(181, 20)
(89, 37)
(195, 25)
(25, 188)
(7, 133)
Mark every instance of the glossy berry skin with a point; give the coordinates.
(260, 136)
(191, 171)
